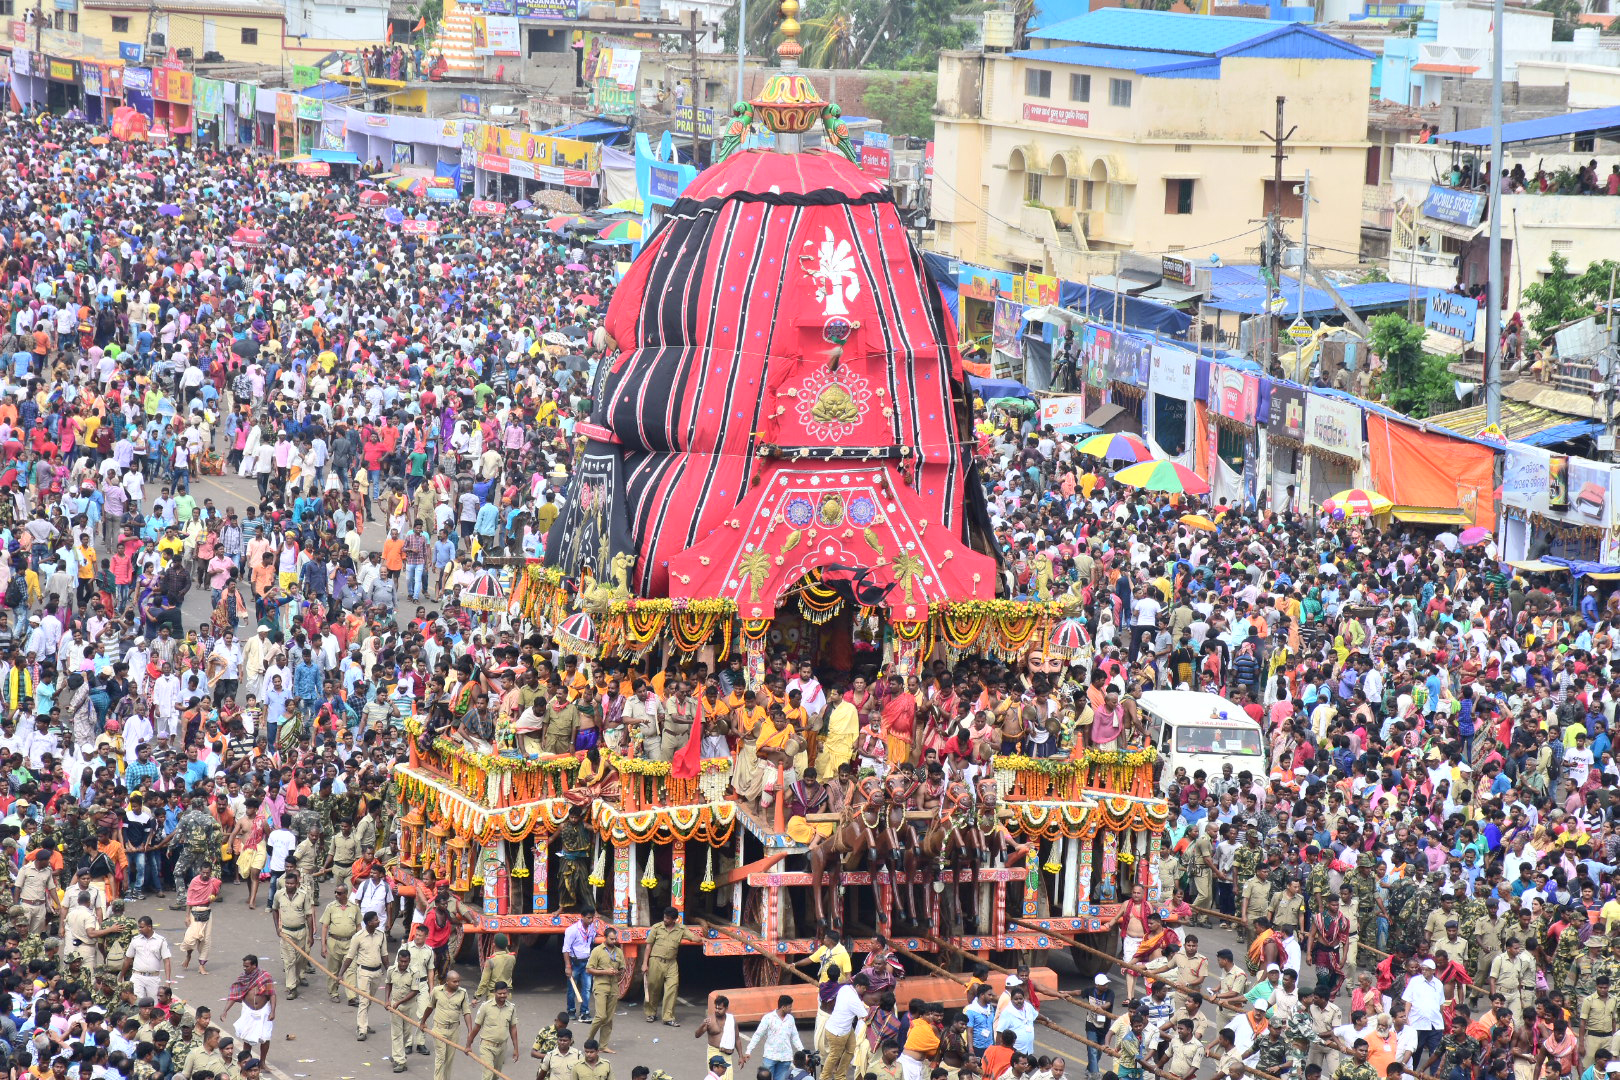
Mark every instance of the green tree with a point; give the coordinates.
(828, 35)
(1373, 274)
(1562, 297)
(1413, 382)
(904, 105)
(1566, 17)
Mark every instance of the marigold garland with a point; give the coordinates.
(693, 629)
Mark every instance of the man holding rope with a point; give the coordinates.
(255, 991)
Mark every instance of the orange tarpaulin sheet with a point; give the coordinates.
(1421, 468)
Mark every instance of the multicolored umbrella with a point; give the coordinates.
(1166, 476)
(566, 221)
(623, 232)
(1356, 502)
(577, 633)
(1068, 638)
(1114, 447)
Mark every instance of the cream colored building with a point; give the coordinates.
(1131, 130)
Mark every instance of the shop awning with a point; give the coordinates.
(336, 157)
(1430, 515)
(1536, 566)
(1604, 577)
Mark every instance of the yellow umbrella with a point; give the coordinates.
(1199, 522)
(1357, 501)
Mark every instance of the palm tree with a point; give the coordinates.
(829, 38)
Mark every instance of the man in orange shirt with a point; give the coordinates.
(921, 1051)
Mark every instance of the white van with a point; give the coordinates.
(1194, 730)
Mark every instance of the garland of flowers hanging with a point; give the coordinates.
(818, 605)
(598, 876)
(1564, 530)
(707, 884)
(713, 823)
(649, 880)
(520, 865)
(1048, 821)
(1012, 636)
(1119, 389)
(643, 629)
(754, 630)
(962, 631)
(726, 631)
(693, 629)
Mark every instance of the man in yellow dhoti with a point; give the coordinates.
(843, 725)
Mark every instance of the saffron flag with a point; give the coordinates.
(688, 760)
(420, 25)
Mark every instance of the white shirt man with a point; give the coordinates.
(1424, 996)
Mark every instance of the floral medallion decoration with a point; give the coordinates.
(831, 404)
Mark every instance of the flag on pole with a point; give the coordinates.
(390, 36)
(420, 25)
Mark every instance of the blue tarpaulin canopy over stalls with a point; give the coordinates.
(587, 129)
(994, 388)
(1243, 290)
(942, 272)
(1099, 304)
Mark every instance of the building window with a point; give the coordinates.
(1032, 188)
(7, 7)
(1585, 144)
(1178, 196)
(250, 35)
(1375, 163)
(1079, 87)
(1115, 197)
(1074, 193)
(120, 24)
(1037, 82)
(1119, 93)
(1292, 203)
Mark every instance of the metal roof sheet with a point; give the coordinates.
(1102, 57)
(1548, 127)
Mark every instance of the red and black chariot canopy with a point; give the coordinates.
(787, 396)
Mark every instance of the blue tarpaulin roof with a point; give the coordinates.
(1243, 290)
(587, 129)
(943, 274)
(1575, 429)
(326, 91)
(336, 157)
(994, 388)
(1586, 122)
(1099, 304)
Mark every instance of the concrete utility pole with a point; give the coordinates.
(1493, 298)
(742, 44)
(1274, 226)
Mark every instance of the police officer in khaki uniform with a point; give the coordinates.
(558, 1064)
(339, 923)
(368, 951)
(1598, 1017)
(291, 911)
(422, 976)
(1513, 975)
(448, 1005)
(592, 1066)
(494, 1028)
(659, 966)
(399, 990)
(605, 965)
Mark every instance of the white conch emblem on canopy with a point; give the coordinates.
(833, 272)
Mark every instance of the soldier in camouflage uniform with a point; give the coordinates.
(1609, 964)
(76, 836)
(1369, 906)
(1271, 1051)
(1245, 865)
(1316, 882)
(1406, 916)
(112, 994)
(1584, 970)
(199, 838)
(116, 943)
(1355, 1066)
(1568, 949)
(1459, 1052)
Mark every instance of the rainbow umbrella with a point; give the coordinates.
(565, 221)
(1113, 447)
(1163, 476)
(1357, 502)
(623, 232)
